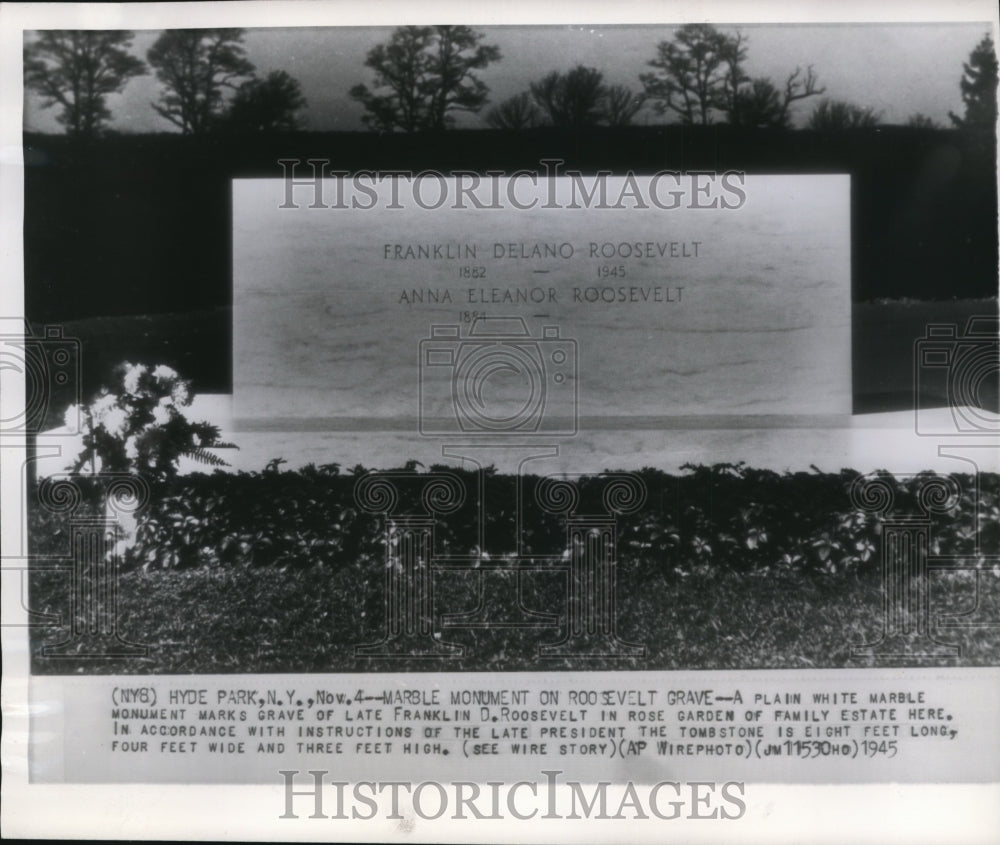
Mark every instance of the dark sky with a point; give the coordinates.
(897, 69)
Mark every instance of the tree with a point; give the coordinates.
(797, 88)
(266, 105)
(835, 115)
(517, 112)
(758, 105)
(621, 105)
(761, 104)
(700, 75)
(572, 99)
(979, 87)
(733, 95)
(423, 75)
(197, 67)
(918, 120)
(692, 73)
(77, 70)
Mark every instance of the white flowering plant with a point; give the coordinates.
(139, 425)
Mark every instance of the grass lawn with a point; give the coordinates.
(308, 619)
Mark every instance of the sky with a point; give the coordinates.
(897, 69)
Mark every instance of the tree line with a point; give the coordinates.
(208, 84)
(424, 76)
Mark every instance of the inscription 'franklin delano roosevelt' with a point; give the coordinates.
(540, 250)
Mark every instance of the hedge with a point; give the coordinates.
(725, 516)
(721, 567)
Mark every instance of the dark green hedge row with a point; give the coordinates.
(724, 516)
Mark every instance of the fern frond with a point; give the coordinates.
(203, 456)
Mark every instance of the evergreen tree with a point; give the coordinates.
(979, 87)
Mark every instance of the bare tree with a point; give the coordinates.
(197, 67)
(835, 115)
(732, 95)
(517, 112)
(423, 75)
(797, 88)
(918, 120)
(700, 76)
(621, 105)
(762, 104)
(571, 99)
(77, 70)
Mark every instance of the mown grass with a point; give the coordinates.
(308, 619)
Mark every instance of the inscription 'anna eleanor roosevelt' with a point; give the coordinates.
(540, 250)
(592, 295)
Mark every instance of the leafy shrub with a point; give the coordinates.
(722, 567)
(723, 517)
(49, 514)
(270, 518)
